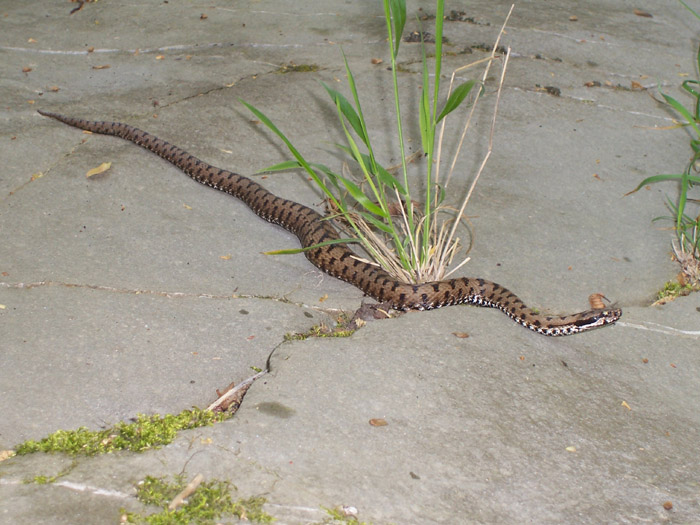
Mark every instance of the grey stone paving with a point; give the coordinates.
(139, 291)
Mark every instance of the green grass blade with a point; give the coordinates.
(686, 85)
(356, 97)
(425, 122)
(689, 8)
(356, 192)
(348, 112)
(439, 19)
(382, 174)
(681, 109)
(660, 178)
(456, 98)
(398, 16)
(282, 166)
(300, 158)
(377, 223)
(291, 251)
(388, 179)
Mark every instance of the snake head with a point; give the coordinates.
(596, 318)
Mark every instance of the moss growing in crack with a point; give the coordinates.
(44, 480)
(145, 433)
(319, 331)
(209, 503)
(673, 290)
(337, 515)
(298, 68)
(343, 328)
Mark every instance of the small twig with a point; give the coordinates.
(186, 492)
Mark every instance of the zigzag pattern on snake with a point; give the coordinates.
(337, 260)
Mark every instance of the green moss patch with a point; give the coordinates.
(672, 290)
(298, 68)
(145, 433)
(209, 503)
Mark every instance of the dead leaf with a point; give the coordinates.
(99, 169)
(323, 298)
(26, 69)
(596, 300)
(5, 454)
(203, 16)
(624, 404)
(160, 57)
(378, 422)
(637, 86)
(573, 18)
(32, 41)
(54, 89)
(461, 335)
(639, 12)
(225, 257)
(105, 66)
(571, 449)
(187, 207)
(376, 61)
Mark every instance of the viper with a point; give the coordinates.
(340, 261)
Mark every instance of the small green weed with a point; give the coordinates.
(210, 502)
(672, 290)
(687, 223)
(145, 433)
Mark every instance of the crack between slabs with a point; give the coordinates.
(162, 293)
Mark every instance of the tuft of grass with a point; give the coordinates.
(686, 222)
(145, 433)
(208, 504)
(403, 236)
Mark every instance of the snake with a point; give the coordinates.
(337, 259)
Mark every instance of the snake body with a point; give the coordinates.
(337, 259)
